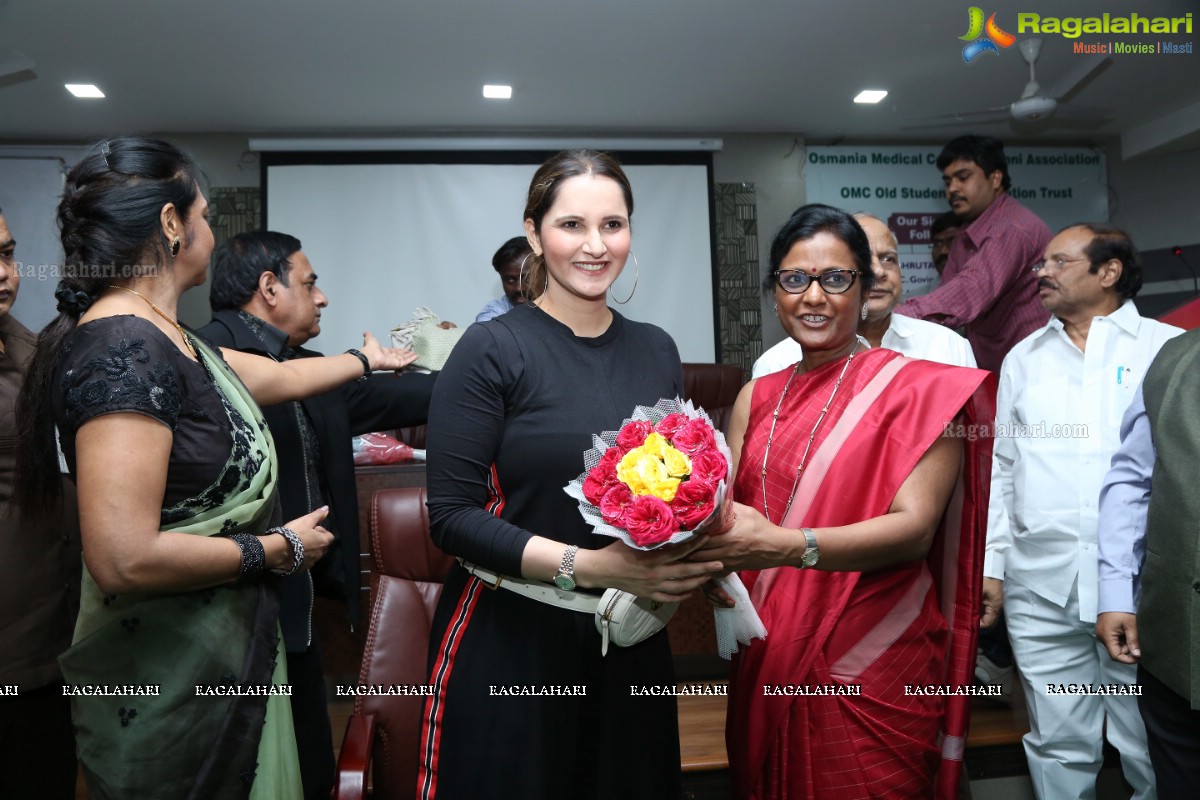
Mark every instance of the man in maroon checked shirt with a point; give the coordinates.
(988, 286)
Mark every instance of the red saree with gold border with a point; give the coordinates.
(911, 625)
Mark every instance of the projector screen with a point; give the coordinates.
(385, 238)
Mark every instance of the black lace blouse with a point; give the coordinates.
(126, 364)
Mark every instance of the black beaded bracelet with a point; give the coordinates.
(366, 364)
(254, 558)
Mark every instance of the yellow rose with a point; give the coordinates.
(665, 489)
(644, 473)
(678, 464)
(656, 445)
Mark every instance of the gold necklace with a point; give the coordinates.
(811, 437)
(186, 341)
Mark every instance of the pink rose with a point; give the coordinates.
(649, 521)
(601, 477)
(709, 465)
(614, 503)
(634, 434)
(694, 437)
(693, 502)
(671, 423)
(594, 487)
(609, 460)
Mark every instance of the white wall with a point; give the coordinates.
(1156, 199)
(223, 157)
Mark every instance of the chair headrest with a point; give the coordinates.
(400, 543)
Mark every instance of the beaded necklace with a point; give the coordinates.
(186, 341)
(811, 437)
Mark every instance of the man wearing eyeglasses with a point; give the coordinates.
(1063, 390)
(986, 285)
(911, 337)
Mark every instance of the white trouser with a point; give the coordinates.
(1051, 645)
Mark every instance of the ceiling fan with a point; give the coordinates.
(1035, 103)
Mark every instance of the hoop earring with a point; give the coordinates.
(175, 247)
(521, 273)
(636, 275)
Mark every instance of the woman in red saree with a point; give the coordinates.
(859, 532)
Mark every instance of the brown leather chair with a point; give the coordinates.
(714, 387)
(383, 735)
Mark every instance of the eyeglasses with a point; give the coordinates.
(1057, 261)
(796, 281)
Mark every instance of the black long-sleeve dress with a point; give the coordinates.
(512, 414)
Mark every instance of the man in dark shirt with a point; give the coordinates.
(40, 572)
(942, 234)
(265, 300)
(988, 286)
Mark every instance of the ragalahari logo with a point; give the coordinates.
(983, 38)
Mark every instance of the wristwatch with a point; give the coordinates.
(811, 553)
(565, 579)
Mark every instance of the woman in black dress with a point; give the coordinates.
(524, 705)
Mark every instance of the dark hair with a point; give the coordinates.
(109, 219)
(1109, 244)
(543, 190)
(514, 249)
(943, 223)
(241, 260)
(805, 223)
(985, 151)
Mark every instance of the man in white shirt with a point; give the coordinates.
(1063, 390)
(914, 338)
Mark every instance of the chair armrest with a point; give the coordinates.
(355, 757)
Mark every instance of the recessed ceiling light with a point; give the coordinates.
(870, 96)
(84, 89)
(497, 91)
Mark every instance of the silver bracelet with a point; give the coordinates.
(254, 558)
(297, 550)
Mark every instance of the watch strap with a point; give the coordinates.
(567, 565)
(812, 553)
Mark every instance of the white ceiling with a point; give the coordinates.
(699, 67)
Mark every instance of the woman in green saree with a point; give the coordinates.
(176, 667)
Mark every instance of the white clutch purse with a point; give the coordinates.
(626, 619)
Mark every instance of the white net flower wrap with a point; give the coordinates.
(734, 625)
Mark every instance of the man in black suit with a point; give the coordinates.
(265, 300)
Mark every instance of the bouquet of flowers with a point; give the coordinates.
(658, 480)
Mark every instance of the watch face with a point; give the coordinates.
(564, 582)
(809, 559)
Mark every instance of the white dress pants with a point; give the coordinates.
(1051, 645)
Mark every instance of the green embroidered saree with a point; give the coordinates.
(194, 738)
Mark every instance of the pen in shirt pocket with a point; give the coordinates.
(1125, 377)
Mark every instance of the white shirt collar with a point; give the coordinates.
(1126, 317)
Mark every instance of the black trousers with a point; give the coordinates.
(37, 746)
(1173, 734)
(310, 715)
